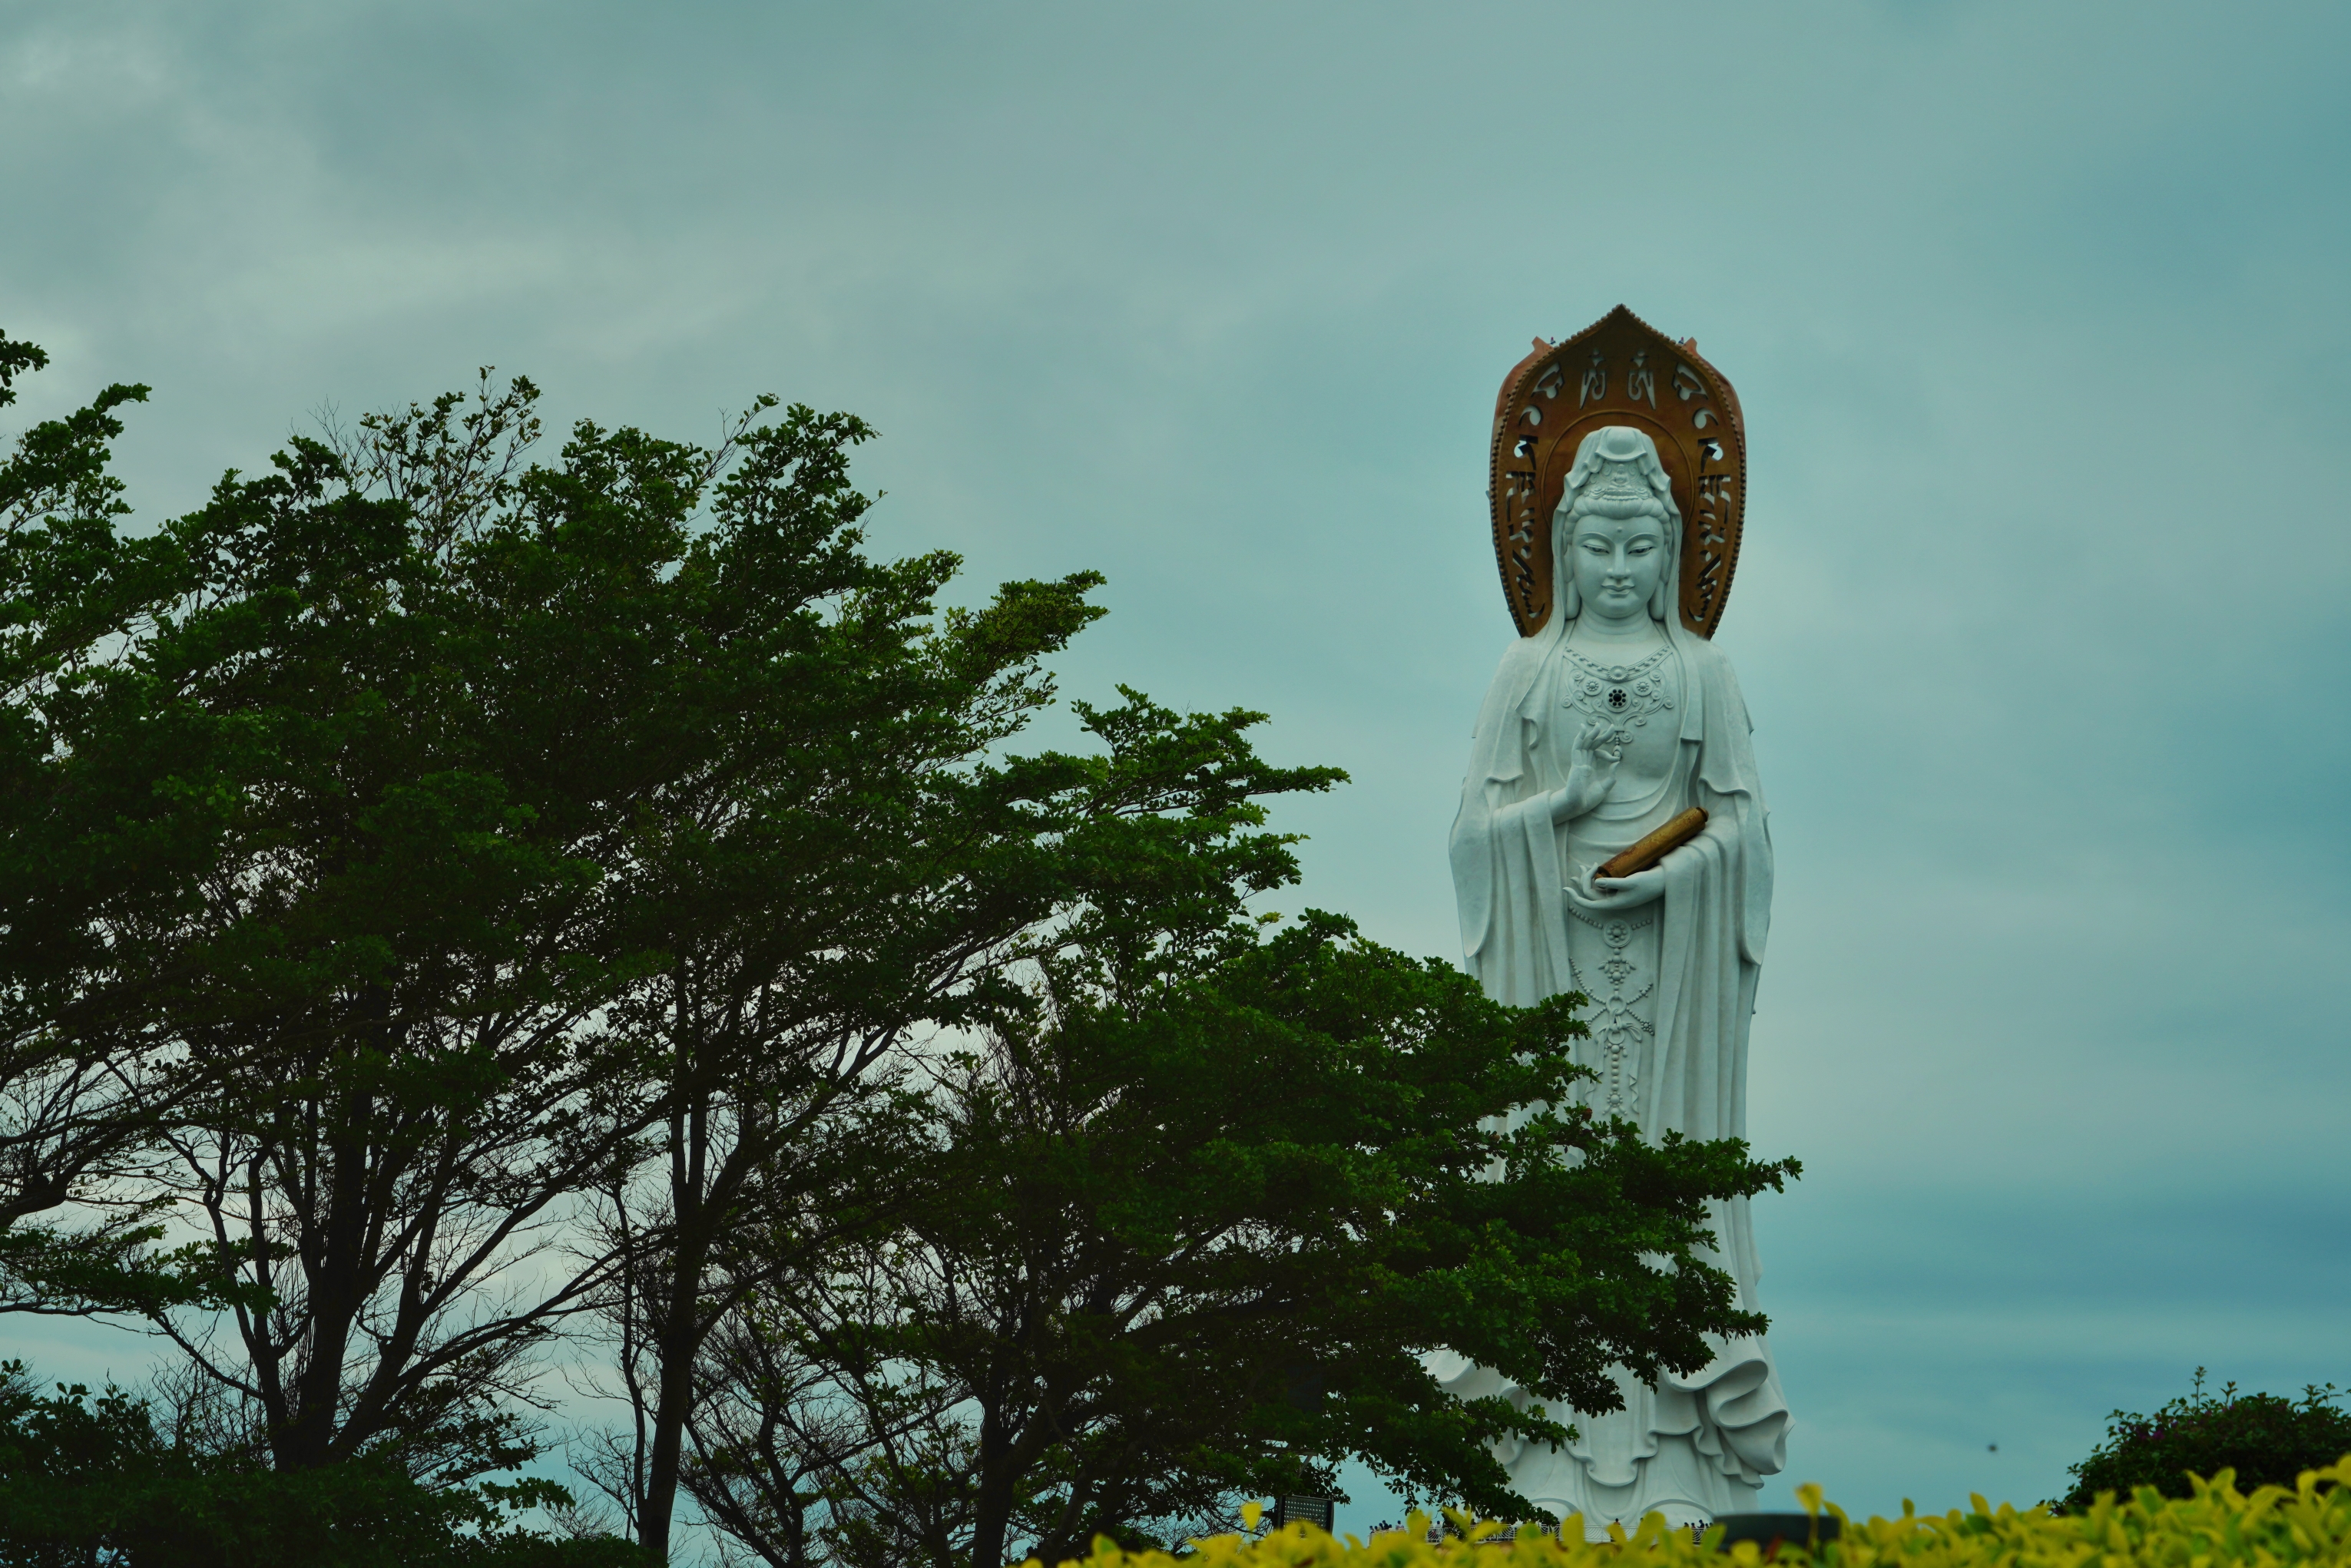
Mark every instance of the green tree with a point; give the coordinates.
(412, 697)
(1199, 1207)
(597, 827)
(97, 866)
(2266, 1438)
(1169, 811)
(616, 809)
(842, 864)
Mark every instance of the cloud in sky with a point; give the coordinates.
(2037, 314)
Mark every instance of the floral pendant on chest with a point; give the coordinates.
(1619, 694)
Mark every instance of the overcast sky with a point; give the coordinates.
(2039, 315)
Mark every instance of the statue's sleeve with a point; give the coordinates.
(1717, 915)
(1727, 770)
(1504, 849)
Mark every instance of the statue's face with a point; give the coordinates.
(1618, 561)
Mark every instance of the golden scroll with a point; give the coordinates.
(1656, 847)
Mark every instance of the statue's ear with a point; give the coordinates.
(1570, 603)
(1657, 600)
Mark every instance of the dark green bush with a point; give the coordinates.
(2266, 1438)
(88, 1479)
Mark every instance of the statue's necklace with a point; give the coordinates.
(1618, 694)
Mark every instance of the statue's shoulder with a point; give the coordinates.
(1706, 657)
(1710, 667)
(1513, 678)
(1522, 657)
(1710, 664)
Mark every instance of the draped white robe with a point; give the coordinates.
(1691, 1447)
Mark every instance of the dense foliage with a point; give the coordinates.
(462, 916)
(2214, 1526)
(2264, 1438)
(1193, 1213)
(88, 1479)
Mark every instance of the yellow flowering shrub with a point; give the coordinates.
(2217, 1528)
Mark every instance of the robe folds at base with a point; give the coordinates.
(1696, 1446)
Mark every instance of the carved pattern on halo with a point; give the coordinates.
(1596, 381)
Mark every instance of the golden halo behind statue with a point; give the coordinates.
(1618, 370)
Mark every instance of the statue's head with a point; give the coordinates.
(1616, 536)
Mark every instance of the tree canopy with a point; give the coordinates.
(1192, 1216)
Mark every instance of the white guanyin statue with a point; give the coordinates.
(1604, 723)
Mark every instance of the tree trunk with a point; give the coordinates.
(673, 1398)
(334, 1295)
(992, 1517)
(673, 1338)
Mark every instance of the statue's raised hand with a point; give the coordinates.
(1590, 770)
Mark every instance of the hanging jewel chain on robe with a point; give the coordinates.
(1616, 1030)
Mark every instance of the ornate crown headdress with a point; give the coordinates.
(1619, 371)
(1617, 482)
